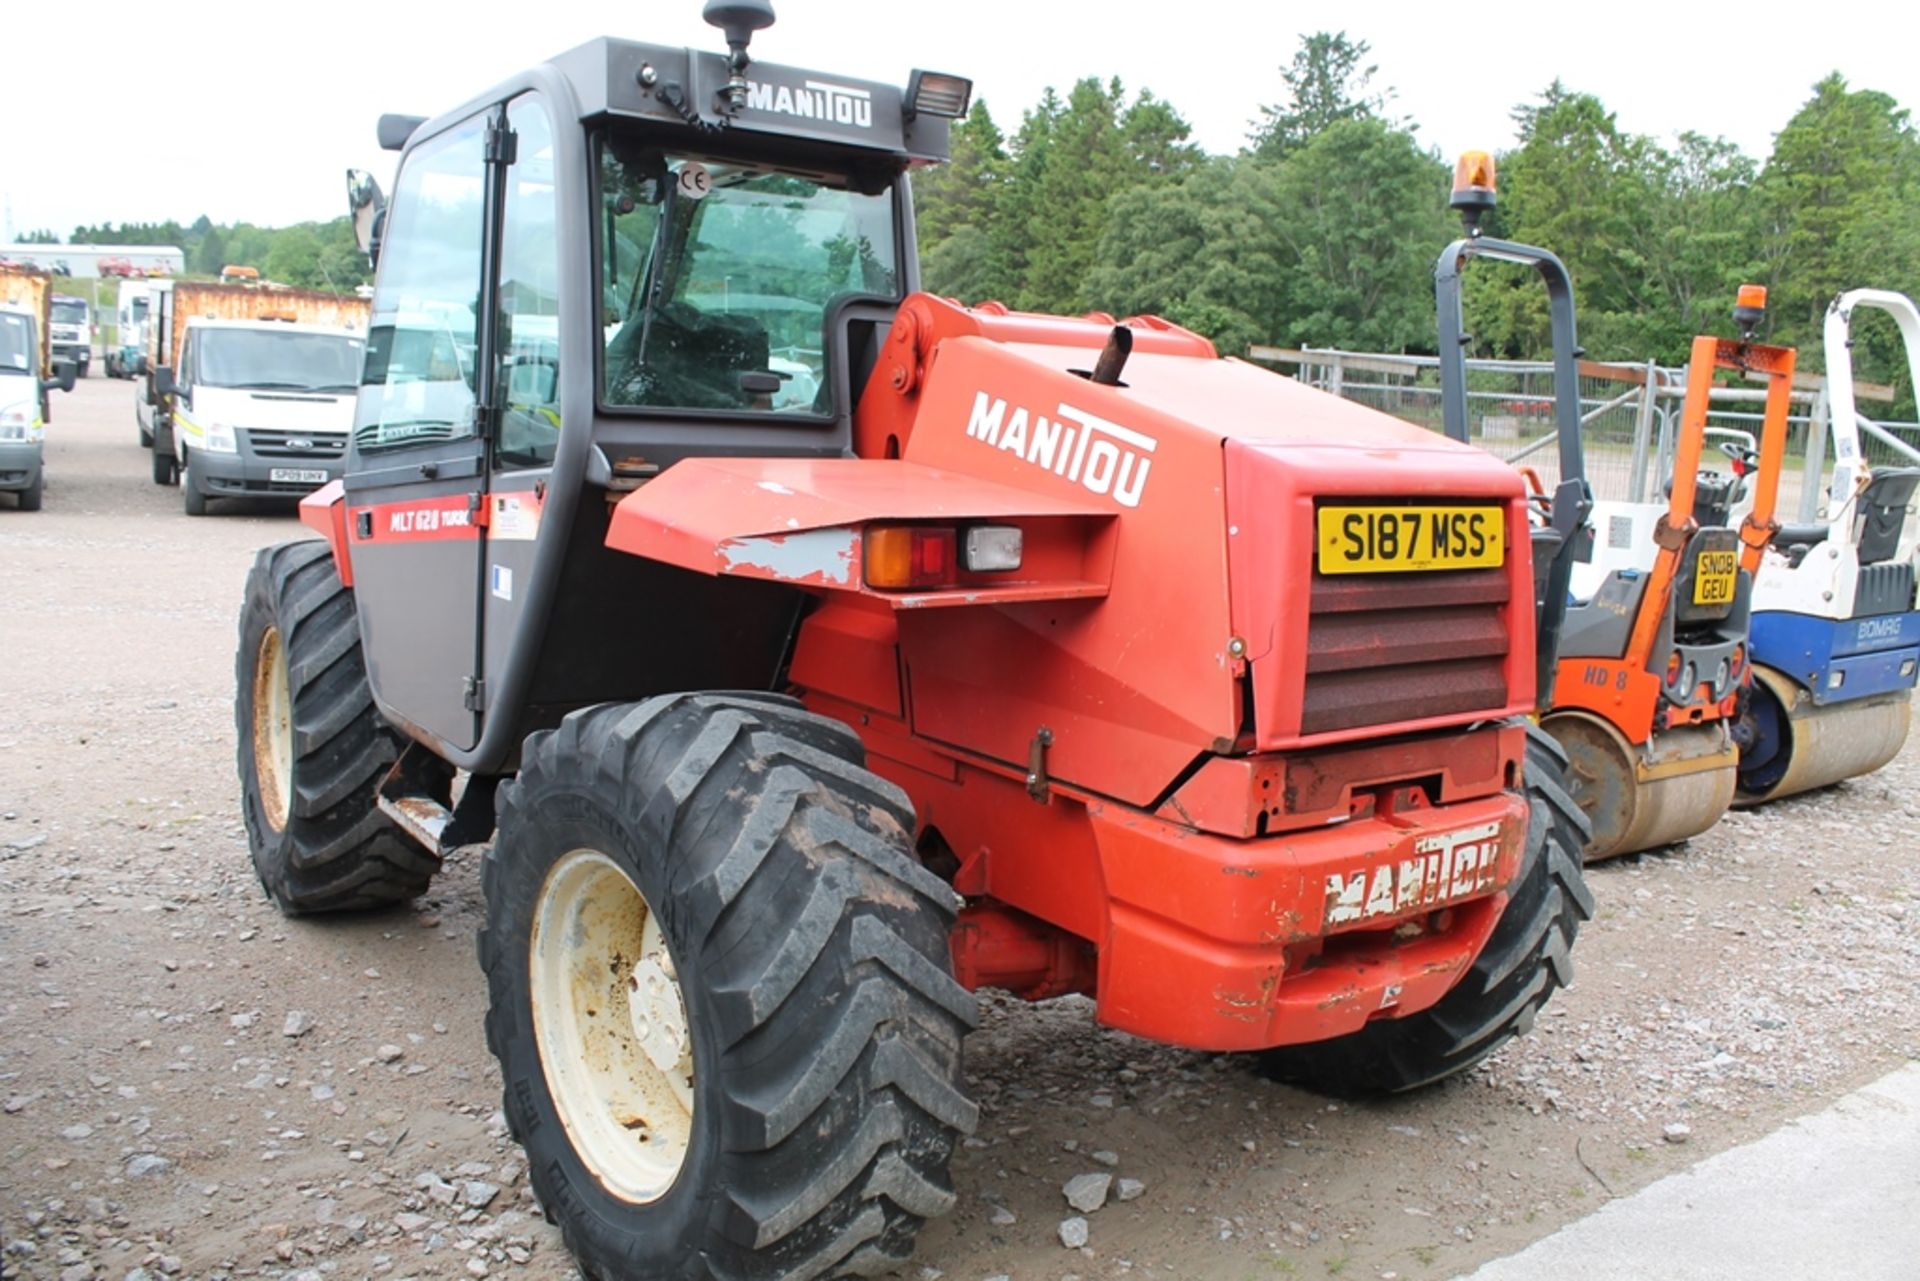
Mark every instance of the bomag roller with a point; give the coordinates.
(1643, 607)
(813, 651)
(1836, 639)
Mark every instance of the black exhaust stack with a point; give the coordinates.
(1113, 357)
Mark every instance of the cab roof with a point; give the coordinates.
(675, 88)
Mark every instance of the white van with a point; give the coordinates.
(260, 408)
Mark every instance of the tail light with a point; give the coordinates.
(900, 557)
(904, 556)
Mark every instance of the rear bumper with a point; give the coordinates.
(1221, 944)
(19, 465)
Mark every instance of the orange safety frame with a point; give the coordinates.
(1623, 691)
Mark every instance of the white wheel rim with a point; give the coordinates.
(611, 1026)
(273, 728)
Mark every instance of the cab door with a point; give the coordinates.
(416, 483)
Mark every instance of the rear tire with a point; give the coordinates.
(30, 497)
(165, 470)
(819, 1025)
(1527, 956)
(192, 500)
(312, 747)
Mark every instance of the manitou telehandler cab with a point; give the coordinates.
(1836, 639)
(1642, 606)
(1054, 655)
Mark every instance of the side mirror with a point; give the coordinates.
(163, 383)
(63, 375)
(365, 203)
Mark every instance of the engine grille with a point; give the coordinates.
(278, 444)
(1384, 648)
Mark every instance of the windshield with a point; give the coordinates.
(16, 345)
(69, 312)
(718, 276)
(280, 360)
(137, 310)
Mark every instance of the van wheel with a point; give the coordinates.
(191, 499)
(30, 496)
(1524, 960)
(721, 994)
(165, 470)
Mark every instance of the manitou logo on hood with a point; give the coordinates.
(1081, 446)
(814, 100)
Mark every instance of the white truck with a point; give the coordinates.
(71, 328)
(27, 372)
(127, 354)
(252, 389)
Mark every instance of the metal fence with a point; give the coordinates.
(1628, 412)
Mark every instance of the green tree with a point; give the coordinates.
(1199, 251)
(210, 255)
(1327, 82)
(1069, 161)
(1360, 215)
(956, 205)
(1581, 186)
(1836, 204)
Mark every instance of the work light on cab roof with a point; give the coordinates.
(1749, 309)
(1474, 187)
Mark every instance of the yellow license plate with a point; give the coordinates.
(1714, 575)
(1395, 540)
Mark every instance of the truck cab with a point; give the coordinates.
(72, 330)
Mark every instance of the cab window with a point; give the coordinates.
(718, 275)
(529, 305)
(418, 383)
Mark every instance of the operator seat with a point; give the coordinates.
(1883, 511)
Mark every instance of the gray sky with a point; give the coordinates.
(144, 112)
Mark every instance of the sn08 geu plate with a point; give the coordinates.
(1392, 540)
(1714, 576)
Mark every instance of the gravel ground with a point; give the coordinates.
(194, 1087)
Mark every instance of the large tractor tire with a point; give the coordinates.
(721, 994)
(313, 748)
(1525, 959)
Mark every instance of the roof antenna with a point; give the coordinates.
(738, 20)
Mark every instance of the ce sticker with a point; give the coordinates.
(695, 181)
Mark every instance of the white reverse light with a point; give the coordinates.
(993, 548)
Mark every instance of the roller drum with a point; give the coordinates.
(1822, 745)
(1676, 786)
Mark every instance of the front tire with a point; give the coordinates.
(312, 747)
(30, 497)
(192, 500)
(1526, 957)
(722, 866)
